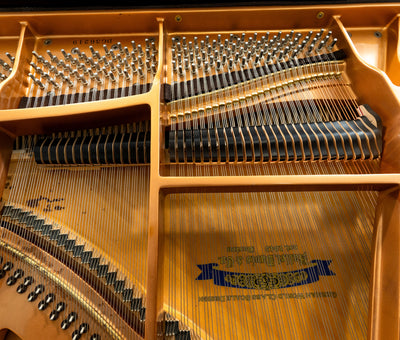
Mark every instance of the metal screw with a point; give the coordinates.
(47, 41)
(320, 15)
(378, 34)
(178, 18)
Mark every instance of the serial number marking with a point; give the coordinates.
(91, 41)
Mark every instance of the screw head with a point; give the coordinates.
(178, 18)
(320, 15)
(47, 41)
(378, 34)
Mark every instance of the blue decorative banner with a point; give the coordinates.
(266, 281)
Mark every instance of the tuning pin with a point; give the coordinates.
(328, 35)
(93, 52)
(230, 63)
(111, 53)
(119, 58)
(310, 48)
(211, 61)
(37, 82)
(5, 66)
(86, 59)
(224, 59)
(106, 50)
(154, 48)
(206, 66)
(105, 61)
(44, 75)
(69, 82)
(53, 70)
(180, 71)
(89, 71)
(111, 77)
(12, 59)
(60, 76)
(140, 51)
(330, 47)
(294, 54)
(39, 58)
(286, 52)
(140, 72)
(105, 71)
(96, 66)
(127, 76)
(127, 53)
(65, 55)
(112, 66)
(119, 46)
(134, 48)
(119, 69)
(74, 61)
(249, 55)
(97, 78)
(269, 57)
(52, 82)
(320, 46)
(34, 66)
(51, 55)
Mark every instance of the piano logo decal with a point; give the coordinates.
(50, 204)
(266, 281)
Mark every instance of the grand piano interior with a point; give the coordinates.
(200, 172)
